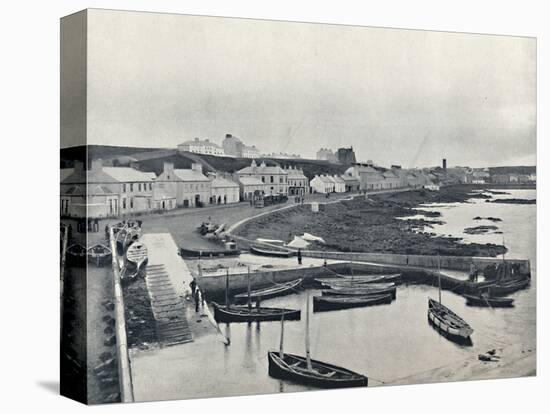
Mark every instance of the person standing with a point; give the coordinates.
(197, 299)
(299, 255)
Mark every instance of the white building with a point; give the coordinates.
(273, 177)
(298, 184)
(322, 184)
(190, 187)
(250, 186)
(339, 184)
(251, 151)
(201, 146)
(224, 191)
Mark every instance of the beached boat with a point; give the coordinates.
(386, 278)
(328, 303)
(99, 254)
(206, 253)
(137, 254)
(486, 300)
(249, 313)
(446, 321)
(305, 370)
(244, 313)
(279, 289)
(76, 255)
(262, 251)
(502, 289)
(360, 291)
(344, 284)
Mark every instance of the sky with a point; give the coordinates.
(397, 96)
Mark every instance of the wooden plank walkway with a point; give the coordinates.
(168, 307)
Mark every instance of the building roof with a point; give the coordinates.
(349, 178)
(198, 141)
(250, 181)
(294, 173)
(337, 179)
(389, 174)
(190, 175)
(324, 179)
(262, 169)
(127, 174)
(221, 182)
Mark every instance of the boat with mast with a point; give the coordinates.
(278, 289)
(445, 320)
(249, 313)
(304, 370)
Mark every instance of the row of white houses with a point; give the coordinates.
(103, 191)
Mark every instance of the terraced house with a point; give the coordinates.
(110, 191)
(273, 177)
(298, 184)
(190, 187)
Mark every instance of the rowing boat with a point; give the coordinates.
(261, 251)
(270, 292)
(327, 303)
(485, 300)
(244, 313)
(360, 279)
(99, 254)
(304, 370)
(503, 289)
(344, 284)
(449, 323)
(360, 291)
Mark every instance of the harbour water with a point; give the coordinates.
(387, 343)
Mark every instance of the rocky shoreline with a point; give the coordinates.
(374, 224)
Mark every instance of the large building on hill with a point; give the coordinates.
(202, 146)
(232, 146)
(326, 154)
(346, 156)
(273, 177)
(250, 152)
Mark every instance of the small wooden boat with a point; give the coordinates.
(137, 254)
(270, 292)
(262, 251)
(448, 322)
(305, 370)
(76, 255)
(232, 313)
(206, 253)
(360, 291)
(99, 254)
(328, 303)
(345, 284)
(244, 313)
(502, 289)
(486, 300)
(359, 279)
(126, 236)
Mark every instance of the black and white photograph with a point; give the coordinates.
(278, 207)
(271, 207)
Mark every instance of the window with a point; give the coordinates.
(131, 203)
(131, 187)
(150, 186)
(124, 203)
(263, 179)
(271, 179)
(139, 186)
(124, 187)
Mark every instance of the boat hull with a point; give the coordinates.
(329, 303)
(268, 293)
(208, 253)
(460, 334)
(282, 369)
(271, 253)
(360, 292)
(489, 302)
(244, 314)
(506, 289)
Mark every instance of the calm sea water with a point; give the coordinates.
(387, 342)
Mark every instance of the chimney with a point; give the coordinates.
(196, 167)
(168, 167)
(445, 164)
(97, 164)
(228, 135)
